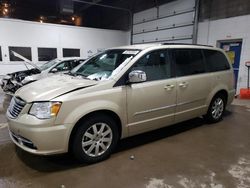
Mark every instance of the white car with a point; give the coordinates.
(13, 81)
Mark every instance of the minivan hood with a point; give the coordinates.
(52, 87)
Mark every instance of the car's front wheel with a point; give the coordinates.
(95, 139)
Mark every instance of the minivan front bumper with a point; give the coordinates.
(39, 139)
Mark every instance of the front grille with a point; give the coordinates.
(16, 106)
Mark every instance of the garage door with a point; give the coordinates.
(171, 22)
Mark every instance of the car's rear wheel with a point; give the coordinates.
(95, 139)
(216, 108)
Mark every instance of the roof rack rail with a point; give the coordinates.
(186, 44)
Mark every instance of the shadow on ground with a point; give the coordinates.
(66, 161)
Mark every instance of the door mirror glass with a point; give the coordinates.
(137, 76)
(54, 70)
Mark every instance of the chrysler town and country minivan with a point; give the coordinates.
(118, 93)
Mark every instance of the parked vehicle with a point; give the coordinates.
(13, 81)
(121, 92)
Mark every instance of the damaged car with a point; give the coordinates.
(13, 81)
(119, 93)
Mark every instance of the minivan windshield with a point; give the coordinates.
(104, 65)
(49, 64)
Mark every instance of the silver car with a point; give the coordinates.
(13, 81)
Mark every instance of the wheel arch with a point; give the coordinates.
(222, 92)
(109, 113)
(209, 115)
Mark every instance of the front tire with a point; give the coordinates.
(95, 139)
(216, 109)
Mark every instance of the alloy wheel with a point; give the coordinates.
(217, 108)
(97, 139)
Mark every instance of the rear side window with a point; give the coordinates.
(216, 61)
(188, 62)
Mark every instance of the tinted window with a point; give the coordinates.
(155, 64)
(47, 54)
(188, 62)
(0, 53)
(71, 52)
(23, 51)
(216, 61)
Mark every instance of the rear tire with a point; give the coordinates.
(95, 139)
(216, 109)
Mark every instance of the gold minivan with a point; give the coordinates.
(118, 93)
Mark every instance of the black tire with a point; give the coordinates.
(87, 126)
(210, 116)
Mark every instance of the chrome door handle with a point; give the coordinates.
(169, 87)
(183, 84)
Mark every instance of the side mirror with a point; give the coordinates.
(137, 76)
(54, 70)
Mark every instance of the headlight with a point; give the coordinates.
(45, 110)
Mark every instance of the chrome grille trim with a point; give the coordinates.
(15, 107)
